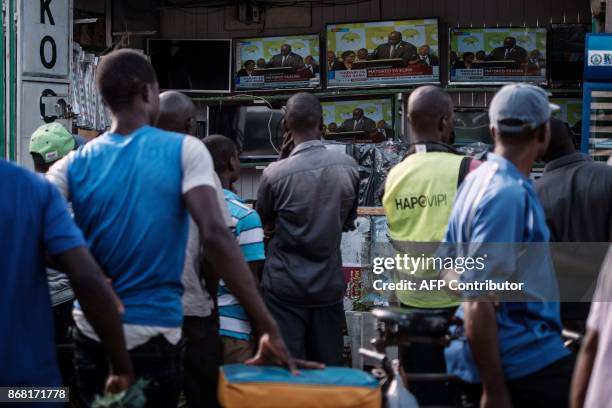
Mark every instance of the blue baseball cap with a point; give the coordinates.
(520, 107)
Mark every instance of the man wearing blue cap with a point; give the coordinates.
(510, 354)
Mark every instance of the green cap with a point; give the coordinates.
(52, 141)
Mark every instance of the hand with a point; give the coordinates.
(287, 147)
(272, 351)
(497, 399)
(117, 383)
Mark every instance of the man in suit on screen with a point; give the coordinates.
(385, 130)
(426, 57)
(286, 58)
(312, 65)
(509, 52)
(358, 122)
(396, 48)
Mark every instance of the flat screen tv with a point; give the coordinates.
(566, 53)
(399, 52)
(337, 113)
(471, 126)
(497, 55)
(269, 63)
(201, 66)
(259, 132)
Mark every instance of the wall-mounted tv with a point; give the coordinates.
(396, 52)
(471, 126)
(497, 55)
(259, 132)
(192, 65)
(268, 63)
(566, 53)
(338, 115)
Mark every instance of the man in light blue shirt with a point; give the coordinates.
(511, 352)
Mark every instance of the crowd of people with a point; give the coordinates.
(173, 274)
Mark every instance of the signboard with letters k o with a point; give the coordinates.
(44, 36)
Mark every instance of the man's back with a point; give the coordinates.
(422, 184)
(419, 194)
(127, 198)
(497, 205)
(576, 194)
(312, 197)
(35, 222)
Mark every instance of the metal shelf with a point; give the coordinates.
(240, 98)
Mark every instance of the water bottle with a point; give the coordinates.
(397, 395)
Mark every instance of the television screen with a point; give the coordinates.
(566, 53)
(383, 53)
(338, 115)
(497, 55)
(471, 126)
(259, 132)
(277, 62)
(192, 65)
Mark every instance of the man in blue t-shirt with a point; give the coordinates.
(235, 329)
(511, 353)
(131, 190)
(35, 224)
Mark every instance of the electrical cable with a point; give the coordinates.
(271, 108)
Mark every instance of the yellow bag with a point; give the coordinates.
(269, 387)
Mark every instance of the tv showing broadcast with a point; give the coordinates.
(396, 52)
(339, 116)
(268, 63)
(497, 55)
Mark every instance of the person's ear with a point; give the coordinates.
(493, 135)
(442, 124)
(190, 126)
(234, 164)
(145, 92)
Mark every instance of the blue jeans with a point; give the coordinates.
(157, 361)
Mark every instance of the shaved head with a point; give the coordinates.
(304, 114)
(430, 111)
(176, 113)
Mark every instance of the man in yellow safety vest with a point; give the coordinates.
(419, 194)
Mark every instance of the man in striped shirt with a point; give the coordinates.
(235, 329)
